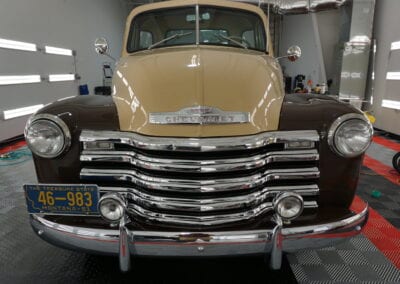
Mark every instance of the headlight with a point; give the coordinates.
(47, 135)
(350, 135)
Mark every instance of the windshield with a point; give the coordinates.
(177, 26)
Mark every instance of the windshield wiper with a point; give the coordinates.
(231, 40)
(174, 36)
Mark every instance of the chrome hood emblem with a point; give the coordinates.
(199, 115)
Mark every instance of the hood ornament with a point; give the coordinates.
(199, 115)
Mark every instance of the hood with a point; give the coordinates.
(172, 79)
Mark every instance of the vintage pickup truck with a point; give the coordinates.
(198, 152)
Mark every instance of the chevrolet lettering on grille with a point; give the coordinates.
(199, 115)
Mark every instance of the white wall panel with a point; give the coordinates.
(299, 30)
(72, 24)
(386, 32)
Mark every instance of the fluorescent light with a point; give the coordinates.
(57, 50)
(391, 104)
(395, 45)
(20, 45)
(61, 77)
(393, 76)
(345, 75)
(12, 80)
(360, 40)
(12, 113)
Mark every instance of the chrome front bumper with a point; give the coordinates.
(271, 241)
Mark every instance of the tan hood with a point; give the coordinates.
(171, 79)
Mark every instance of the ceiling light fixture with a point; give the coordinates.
(20, 45)
(13, 113)
(58, 51)
(395, 45)
(391, 104)
(393, 76)
(61, 77)
(25, 79)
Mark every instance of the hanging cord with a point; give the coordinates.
(15, 157)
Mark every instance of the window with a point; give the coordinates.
(177, 26)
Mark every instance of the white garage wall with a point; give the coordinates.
(329, 31)
(318, 60)
(72, 24)
(386, 31)
(298, 30)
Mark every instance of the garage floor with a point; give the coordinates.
(372, 257)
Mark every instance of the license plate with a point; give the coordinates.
(62, 199)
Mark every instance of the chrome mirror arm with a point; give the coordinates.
(109, 56)
(293, 53)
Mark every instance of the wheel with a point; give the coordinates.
(396, 162)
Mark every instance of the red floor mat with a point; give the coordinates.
(387, 143)
(382, 169)
(381, 233)
(12, 147)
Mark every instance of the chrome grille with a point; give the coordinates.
(205, 181)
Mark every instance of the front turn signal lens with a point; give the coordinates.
(288, 205)
(112, 207)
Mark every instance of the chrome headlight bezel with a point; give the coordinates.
(339, 123)
(55, 122)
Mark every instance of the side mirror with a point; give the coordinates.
(101, 45)
(294, 53)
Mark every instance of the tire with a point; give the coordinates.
(396, 162)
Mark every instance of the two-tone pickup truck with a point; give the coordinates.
(198, 152)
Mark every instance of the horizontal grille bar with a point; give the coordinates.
(202, 181)
(210, 205)
(199, 166)
(207, 220)
(198, 186)
(197, 144)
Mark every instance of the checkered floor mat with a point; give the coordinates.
(388, 203)
(354, 261)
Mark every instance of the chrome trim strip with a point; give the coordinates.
(209, 205)
(198, 166)
(198, 144)
(207, 220)
(151, 243)
(192, 185)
